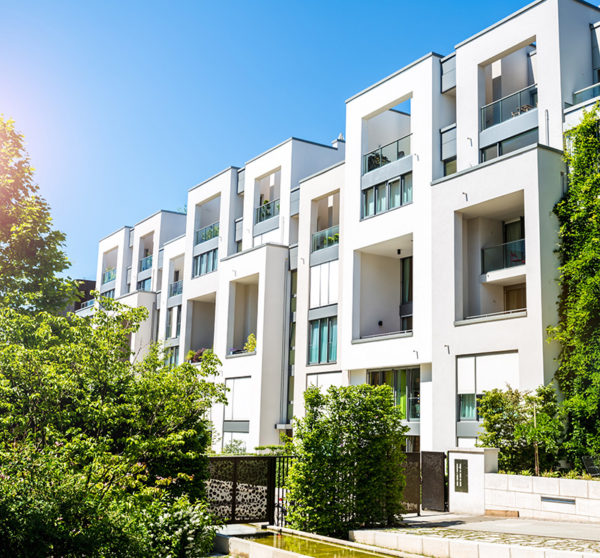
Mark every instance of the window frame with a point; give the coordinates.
(373, 193)
(209, 261)
(325, 344)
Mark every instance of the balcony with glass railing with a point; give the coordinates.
(503, 256)
(586, 94)
(109, 275)
(176, 288)
(267, 211)
(87, 303)
(325, 238)
(509, 107)
(387, 154)
(146, 263)
(206, 233)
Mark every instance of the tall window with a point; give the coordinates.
(205, 263)
(172, 356)
(144, 285)
(509, 145)
(406, 306)
(406, 385)
(388, 195)
(322, 341)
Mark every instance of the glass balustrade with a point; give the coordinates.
(325, 238)
(508, 107)
(586, 94)
(176, 288)
(206, 233)
(87, 304)
(509, 254)
(145, 263)
(109, 275)
(387, 154)
(266, 211)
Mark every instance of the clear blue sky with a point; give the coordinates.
(125, 105)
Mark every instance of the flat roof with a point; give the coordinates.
(322, 171)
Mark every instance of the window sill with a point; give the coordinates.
(238, 355)
(330, 363)
(367, 217)
(204, 274)
(509, 315)
(383, 337)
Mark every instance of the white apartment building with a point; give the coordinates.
(417, 253)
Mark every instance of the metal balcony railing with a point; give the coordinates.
(109, 275)
(266, 211)
(509, 254)
(510, 106)
(387, 154)
(325, 238)
(206, 233)
(176, 288)
(146, 263)
(586, 94)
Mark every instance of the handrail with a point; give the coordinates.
(503, 256)
(266, 211)
(517, 105)
(384, 154)
(109, 275)
(580, 93)
(509, 95)
(503, 312)
(206, 233)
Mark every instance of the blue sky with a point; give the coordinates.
(125, 105)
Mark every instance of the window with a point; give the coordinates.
(450, 166)
(172, 356)
(515, 297)
(388, 195)
(109, 294)
(205, 263)
(324, 284)
(509, 145)
(479, 373)
(406, 306)
(324, 380)
(238, 246)
(322, 341)
(173, 319)
(145, 285)
(406, 385)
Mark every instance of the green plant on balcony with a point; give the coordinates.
(195, 356)
(250, 345)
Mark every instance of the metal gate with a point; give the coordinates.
(412, 488)
(433, 480)
(241, 489)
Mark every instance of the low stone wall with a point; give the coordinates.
(543, 498)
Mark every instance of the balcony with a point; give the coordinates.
(503, 256)
(267, 211)
(387, 154)
(145, 263)
(509, 107)
(586, 94)
(207, 233)
(87, 304)
(109, 275)
(325, 238)
(176, 288)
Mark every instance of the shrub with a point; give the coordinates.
(349, 455)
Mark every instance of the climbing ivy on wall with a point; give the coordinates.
(349, 452)
(578, 329)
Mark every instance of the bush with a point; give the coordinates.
(349, 454)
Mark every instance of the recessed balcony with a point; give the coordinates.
(206, 233)
(389, 153)
(146, 263)
(325, 238)
(586, 94)
(176, 288)
(508, 107)
(109, 275)
(266, 211)
(502, 256)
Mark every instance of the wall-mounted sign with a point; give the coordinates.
(461, 475)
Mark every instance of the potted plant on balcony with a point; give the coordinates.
(250, 345)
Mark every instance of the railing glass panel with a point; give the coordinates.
(387, 154)
(206, 233)
(266, 211)
(510, 106)
(325, 238)
(146, 263)
(176, 288)
(509, 254)
(586, 94)
(87, 303)
(109, 275)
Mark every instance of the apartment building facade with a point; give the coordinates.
(417, 253)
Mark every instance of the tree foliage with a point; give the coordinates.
(31, 251)
(578, 329)
(349, 451)
(99, 456)
(526, 427)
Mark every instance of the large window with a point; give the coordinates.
(172, 356)
(205, 263)
(388, 195)
(406, 384)
(406, 305)
(509, 145)
(144, 285)
(322, 346)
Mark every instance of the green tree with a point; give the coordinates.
(349, 451)
(526, 427)
(578, 329)
(99, 456)
(31, 251)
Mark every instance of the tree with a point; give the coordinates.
(526, 427)
(99, 456)
(349, 451)
(31, 251)
(578, 329)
